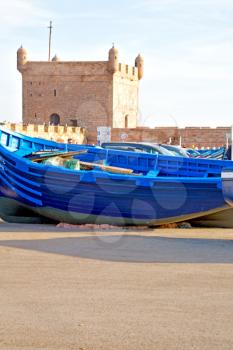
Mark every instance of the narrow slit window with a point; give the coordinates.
(126, 121)
(55, 92)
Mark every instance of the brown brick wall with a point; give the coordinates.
(67, 90)
(190, 136)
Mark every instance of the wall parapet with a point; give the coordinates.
(58, 133)
(128, 71)
(187, 137)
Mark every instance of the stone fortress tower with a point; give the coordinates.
(80, 93)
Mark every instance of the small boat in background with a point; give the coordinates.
(219, 153)
(147, 190)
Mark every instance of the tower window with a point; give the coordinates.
(126, 121)
(73, 122)
(54, 119)
(55, 92)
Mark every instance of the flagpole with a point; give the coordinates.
(50, 35)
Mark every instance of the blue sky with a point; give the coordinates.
(187, 46)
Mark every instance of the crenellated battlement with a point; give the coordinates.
(127, 71)
(58, 133)
(71, 68)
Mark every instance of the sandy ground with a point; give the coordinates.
(162, 289)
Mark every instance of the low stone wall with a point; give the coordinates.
(189, 137)
(50, 132)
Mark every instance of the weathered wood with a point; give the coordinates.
(109, 168)
(56, 154)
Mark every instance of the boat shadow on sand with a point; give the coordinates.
(125, 247)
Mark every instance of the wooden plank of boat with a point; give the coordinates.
(55, 154)
(109, 168)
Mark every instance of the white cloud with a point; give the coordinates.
(184, 3)
(21, 13)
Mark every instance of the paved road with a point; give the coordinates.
(161, 289)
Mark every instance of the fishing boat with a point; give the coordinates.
(219, 153)
(122, 188)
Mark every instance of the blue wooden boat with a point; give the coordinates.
(157, 192)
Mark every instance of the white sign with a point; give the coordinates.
(124, 136)
(103, 134)
(231, 142)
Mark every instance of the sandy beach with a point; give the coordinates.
(117, 289)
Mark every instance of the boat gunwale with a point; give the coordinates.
(101, 174)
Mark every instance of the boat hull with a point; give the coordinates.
(21, 213)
